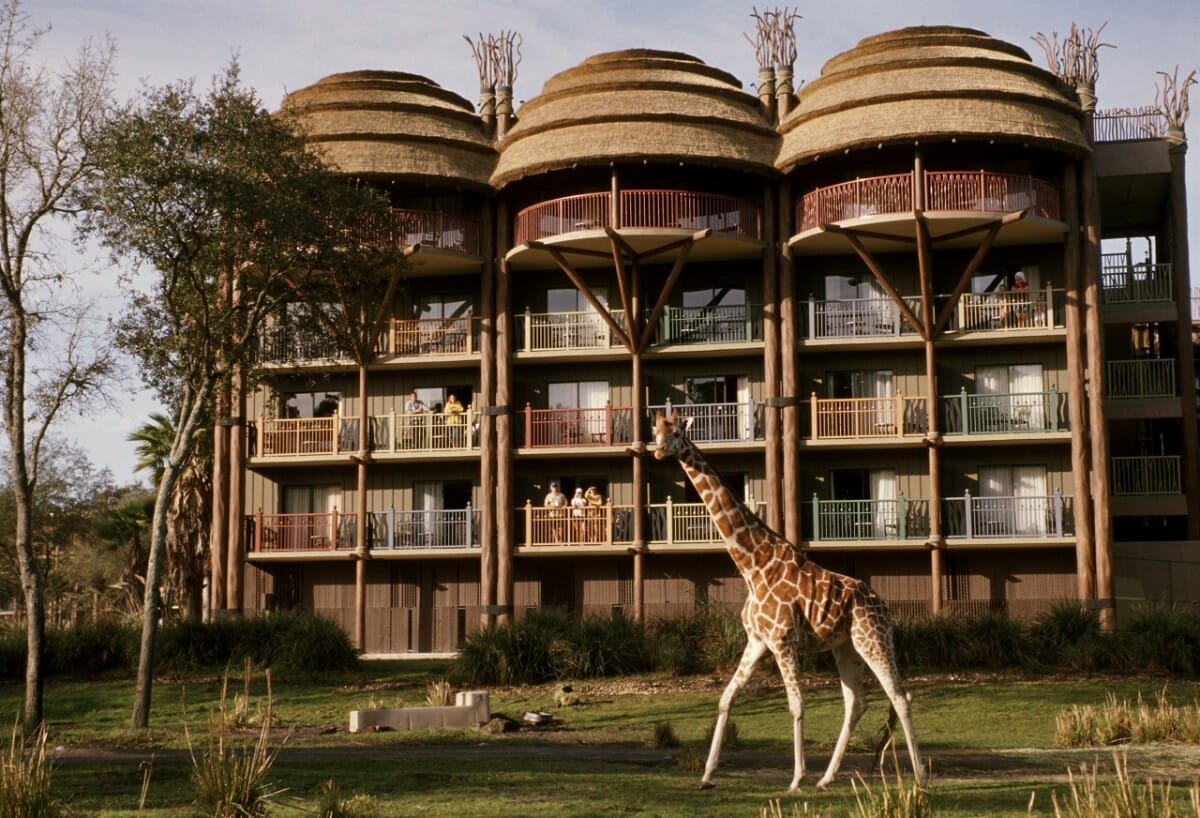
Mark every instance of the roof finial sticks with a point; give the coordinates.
(497, 58)
(1171, 99)
(774, 44)
(1075, 60)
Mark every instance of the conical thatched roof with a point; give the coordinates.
(929, 83)
(629, 105)
(387, 123)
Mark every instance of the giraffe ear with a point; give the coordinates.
(658, 415)
(674, 415)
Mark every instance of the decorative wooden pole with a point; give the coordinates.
(487, 417)
(505, 533)
(789, 386)
(772, 429)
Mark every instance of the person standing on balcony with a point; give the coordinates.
(454, 419)
(1020, 299)
(578, 516)
(556, 503)
(418, 431)
(595, 513)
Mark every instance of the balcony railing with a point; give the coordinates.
(717, 422)
(425, 432)
(944, 190)
(681, 209)
(1129, 124)
(429, 228)
(1124, 282)
(433, 336)
(896, 416)
(292, 344)
(1141, 378)
(856, 318)
(966, 517)
(605, 426)
(1008, 310)
(722, 324)
(386, 530)
(667, 523)
(1146, 475)
(1004, 413)
(562, 331)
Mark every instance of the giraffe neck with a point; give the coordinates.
(741, 529)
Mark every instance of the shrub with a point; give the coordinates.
(331, 804)
(1068, 636)
(25, 779)
(1164, 638)
(520, 653)
(286, 642)
(1121, 798)
(438, 693)
(931, 644)
(995, 640)
(664, 736)
(1119, 722)
(93, 647)
(604, 647)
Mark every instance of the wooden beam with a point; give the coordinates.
(617, 331)
(565, 250)
(869, 260)
(619, 247)
(661, 303)
(838, 229)
(1006, 219)
(965, 280)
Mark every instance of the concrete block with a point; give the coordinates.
(471, 709)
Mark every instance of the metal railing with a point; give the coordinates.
(1004, 413)
(856, 318)
(297, 343)
(717, 422)
(386, 530)
(679, 209)
(429, 228)
(965, 517)
(895, 416)
(856, 198)
(605, 426)
(1124, 282)
(543, 331)
(427, 431)
(1141, 378)
(1129, 124)
(721, 324)
(667, 523)
(433, 336)
(1146, 475)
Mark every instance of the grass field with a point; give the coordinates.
(990, 743)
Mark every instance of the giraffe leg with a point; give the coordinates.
(755, 648)
(786, 659)
(850, 670)
(884, 668)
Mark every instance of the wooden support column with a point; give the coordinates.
(772, 428)
(505, 533)
(1085, 558)
(1185, 360)
(638, 425)
(789, 385)
(361, 551)
(236, 542)
(219, 530)
(487, 420)
(1090, 268)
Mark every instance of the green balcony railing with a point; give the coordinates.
(1146, 475)
(1141, 378)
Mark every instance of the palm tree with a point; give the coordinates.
(190, 515)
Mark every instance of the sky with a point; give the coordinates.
(285, 45)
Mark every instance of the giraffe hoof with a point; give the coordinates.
(823, 784)
(705, 785)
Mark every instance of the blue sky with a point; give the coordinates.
(284, 45)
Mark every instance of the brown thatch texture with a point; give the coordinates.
(384, 123)
(638, 104)
(929, 83)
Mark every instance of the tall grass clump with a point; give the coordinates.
(604, 647)
(1165, 638)
(1068, 636)
(518, 653)
(708, 639)
(1123, 797)
(1118, 721)
(25, 790)
(898, 798)
(231, 781)
(331, 804)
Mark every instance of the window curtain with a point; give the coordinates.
(884, 520)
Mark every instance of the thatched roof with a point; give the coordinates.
(639, 104)
(387, 123)
(930, 83)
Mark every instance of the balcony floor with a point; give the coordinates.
(1030, 230)
(717, 247)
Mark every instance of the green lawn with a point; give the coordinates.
(595, 760)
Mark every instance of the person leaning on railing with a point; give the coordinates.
(454, 419)
(595, 514)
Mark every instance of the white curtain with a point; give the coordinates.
(1026, 385)
(883, 492)
(745, 409)
(1029, 491)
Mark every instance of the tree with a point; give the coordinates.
(221, 200)
(50, 361)
(189, 513)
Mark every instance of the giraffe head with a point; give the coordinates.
(668, 436)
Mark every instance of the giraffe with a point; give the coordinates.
(793, 605)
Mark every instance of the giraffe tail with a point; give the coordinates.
(883, 740)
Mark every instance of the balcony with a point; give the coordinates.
(574, 427)
(720, 324)
(1146, 475)
(392, 530)
(297, 438)
(1005, 414)
(566, 331)
(954, 200)
(967, 518)
(1129, 124)
(645, 218)
(433, 337)
(1123, 282)
(449, 243)
(297, 345)
(717, 422)
(668, 524)
(893, 417)
(856, 318)
(1141, 378)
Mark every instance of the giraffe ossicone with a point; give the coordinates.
(793, 606)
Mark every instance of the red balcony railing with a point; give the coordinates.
(429, 228)
(605, 426)
(944, 190)
(680, 209)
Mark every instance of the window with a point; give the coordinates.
(862, 384)
(570, 299)
(1013, 501)
(1010, 396)
(718, 407)
(445, 307)
(310, 516)
(866, 504)
(309, 404)
(713, 297)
